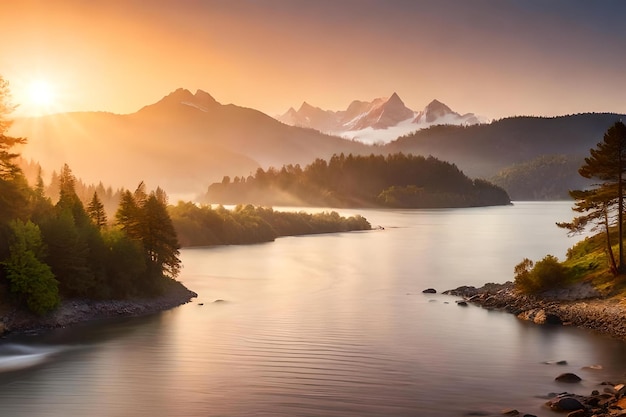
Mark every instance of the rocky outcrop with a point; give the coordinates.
(556, 307)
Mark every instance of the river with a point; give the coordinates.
(325, 325)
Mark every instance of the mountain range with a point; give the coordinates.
(183, 142)
(186, 141)
(380, 120)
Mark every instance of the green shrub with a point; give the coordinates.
(546, 274)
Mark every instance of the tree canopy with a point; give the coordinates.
(396, 180)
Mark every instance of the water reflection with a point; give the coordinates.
(332, 325)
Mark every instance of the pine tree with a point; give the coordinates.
(604, 204)
(96, 212)
(144, 218)
(159, 238)
(13, 185)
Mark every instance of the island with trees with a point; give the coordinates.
(392, 181)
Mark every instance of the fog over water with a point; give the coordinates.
(326, 325)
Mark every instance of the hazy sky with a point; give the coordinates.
(495, 58)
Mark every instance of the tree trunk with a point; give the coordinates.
(620, 210)
(609, 249)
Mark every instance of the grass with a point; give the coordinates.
(588, 261)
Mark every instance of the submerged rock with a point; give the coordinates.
(430, 291)
(568, 377)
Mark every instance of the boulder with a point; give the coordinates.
(567, 403)
(568, 377)
(430, 291)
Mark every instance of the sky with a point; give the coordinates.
(495, 58)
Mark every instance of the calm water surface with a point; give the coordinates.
(327, 325)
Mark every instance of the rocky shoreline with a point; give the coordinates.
(580, 305)
(76, 311)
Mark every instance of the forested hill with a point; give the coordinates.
(396, 181)
(484, 150)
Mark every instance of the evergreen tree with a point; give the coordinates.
(159, 238)
(144, 219)
(68, 255)
(68, 199)
(604, 204)
(128, 216)
(13, 185)
(96, 212)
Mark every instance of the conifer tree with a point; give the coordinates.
(604, 204)
(144, 218)
(96, 212)
(13, 185)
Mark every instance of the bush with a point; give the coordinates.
(546, 274)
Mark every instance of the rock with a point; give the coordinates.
(510, 412)
(568, 377)
(430, 291)
(2, 328)
(461, 303)
(577, 413)
(200, 304)
(553, 319)
(561, 362)
(218, 301)
(566, 404)
(593, 367)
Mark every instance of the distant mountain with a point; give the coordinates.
(183, 143)
(381, 120)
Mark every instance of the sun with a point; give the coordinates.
(41, 94)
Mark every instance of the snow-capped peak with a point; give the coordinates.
(382, 119)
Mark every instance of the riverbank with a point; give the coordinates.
(76, 311)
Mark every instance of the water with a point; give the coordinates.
(326, 325)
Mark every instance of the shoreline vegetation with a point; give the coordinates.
(76, 311)
(196, 226)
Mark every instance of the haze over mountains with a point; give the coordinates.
(183, 142)
(381, 120)
(186, 141)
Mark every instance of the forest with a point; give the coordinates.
(70, 240)
(392, 181)
(206, 226)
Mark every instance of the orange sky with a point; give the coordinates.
(493, 58)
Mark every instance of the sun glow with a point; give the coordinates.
(41, 94)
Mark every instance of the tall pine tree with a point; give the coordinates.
(603, 205)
